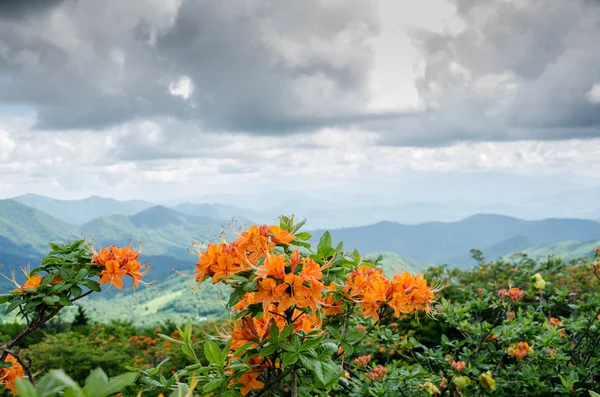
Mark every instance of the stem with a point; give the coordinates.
(270, 384)
(294, 381)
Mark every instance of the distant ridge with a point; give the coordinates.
(450, 242)
(80, 211)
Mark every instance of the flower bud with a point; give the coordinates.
(487, 381)
(462, 381)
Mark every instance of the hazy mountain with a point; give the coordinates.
(439, 242)
(81, 211)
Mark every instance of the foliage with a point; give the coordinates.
(321, 322)
(527, 327)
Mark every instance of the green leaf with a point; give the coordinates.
(303, 236)
(212, 385)
(95, 383)
(91, 284)
(318, 370)
(243, 348)
(289, 359)
(74, 389)
(236, 296)
(51, 300)
(268, 350)
(274, 332)
(4, 298)
(212, 352)
(119, 382)
(331, 372)
(76, 291)
(324, 242)
(49, 386)
(25, 388)
(287, 331)
(13, 305)
(163, 336)
(593, 393)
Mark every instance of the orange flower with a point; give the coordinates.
(274, 265)
(459, 366)
(9, 375)
(267, 294)
(117, 262)
(250, 382)
(225, 267)
(33, 282)
(311, 270)
(113, 274)
(292, 291)
(362, 361)
(519, 350)
(281, 237)
(377, 373)
(247, 300)
(553, 322)
(331, 307)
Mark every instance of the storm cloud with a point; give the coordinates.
(514, 69)
(260, 66)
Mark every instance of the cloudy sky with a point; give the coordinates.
(160, 99)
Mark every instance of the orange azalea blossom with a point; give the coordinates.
(274, 265)
(305, 322)
(9, 375)
(118, 262)
(247, 300)
(403, 293)
(250, 382)
(514, 293)
(281, 237)
(311, 270)
(519, 350)
(459, 366)
(332, 307)
(33, 282)
(377, 373)
(554, 322)
(267, 294)
(362, 361)
(113, 274)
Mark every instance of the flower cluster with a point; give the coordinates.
(514, 293)
(118, 262)
(32, 283)
(362, 361)
(519, 350)
(377, 373)
(9, 375)
(372, 289)
(225, 260)
(458, 365)
(278, 288)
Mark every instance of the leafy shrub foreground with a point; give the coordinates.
(324, 323)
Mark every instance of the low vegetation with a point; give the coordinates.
(309, 321)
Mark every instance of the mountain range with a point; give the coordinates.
(168, 233)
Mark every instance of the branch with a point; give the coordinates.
(26, 367)
(270, 384)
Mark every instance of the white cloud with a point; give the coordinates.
(184, 87)
(7, 145)
(593, 95)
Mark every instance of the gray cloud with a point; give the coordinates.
(518, 70)
(259, 66)
(14, 9)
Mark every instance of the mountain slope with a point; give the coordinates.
(438, 242)
(81, 211)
